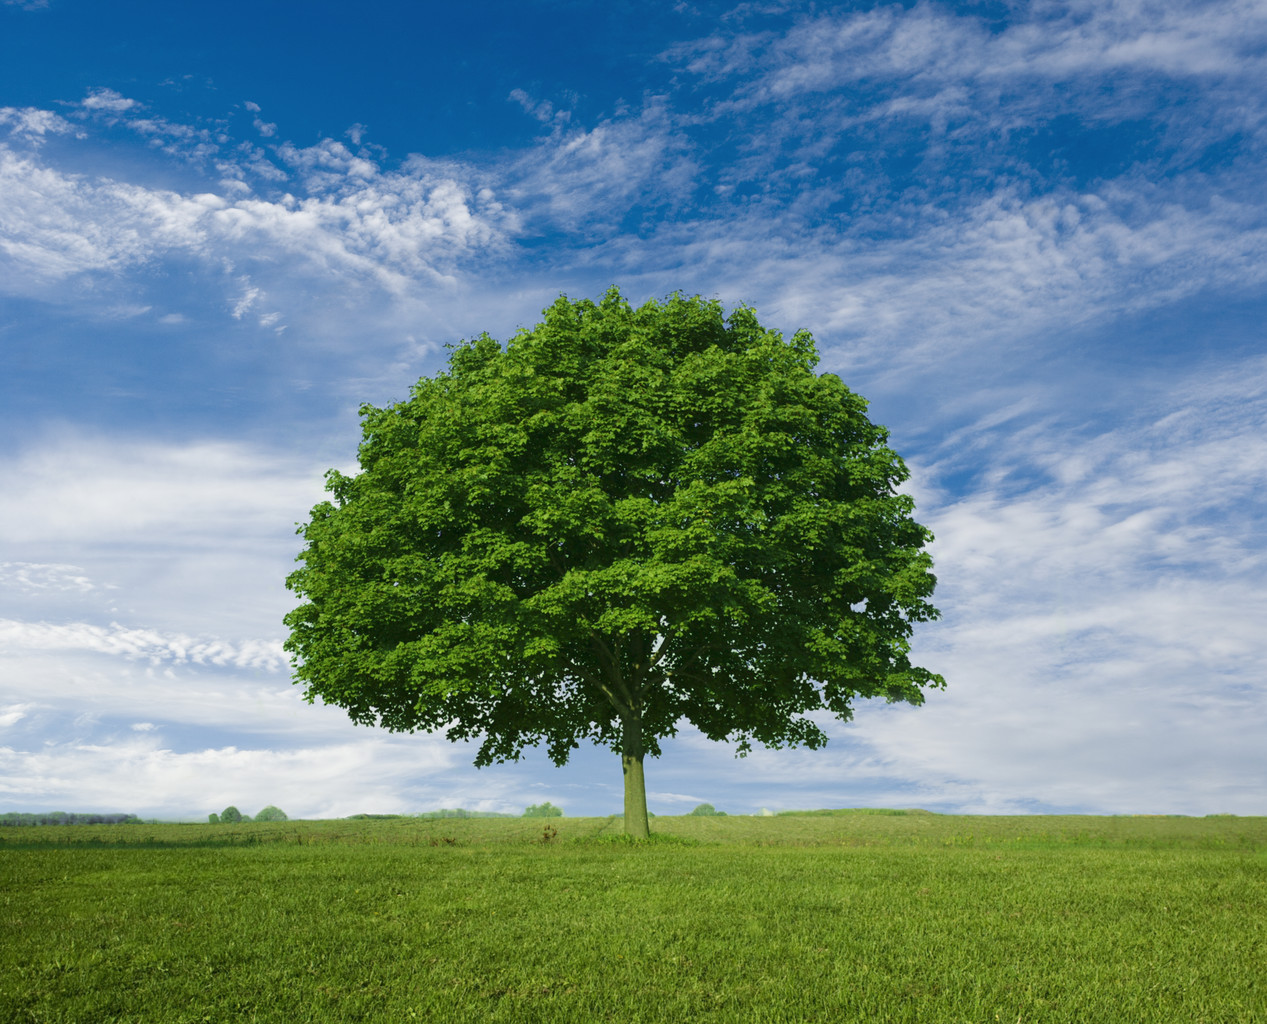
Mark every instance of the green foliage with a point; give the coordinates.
(706, 810)
(623, 518)
(213, 818)
(545, 810)
(271, 813)
(231, 815)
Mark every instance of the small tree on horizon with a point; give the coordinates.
(271, 813)
(707, 810)
(231, 815)
(545, 810)
(213, 818)
(622, 519)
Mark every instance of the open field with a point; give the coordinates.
(831, 917)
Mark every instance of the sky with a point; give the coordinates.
(1032, 235)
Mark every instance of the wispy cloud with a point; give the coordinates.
(930, 44)
(33, 576)
(388, 229)
(180, 543)
(150, 645)
(11, 714)
(107, 99)
(82, 491)
(33, 124)
(1103, 619)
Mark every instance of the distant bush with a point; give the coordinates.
(271, 813)
(213, 818)
(230, 815)
(545, 810)
(706, 810)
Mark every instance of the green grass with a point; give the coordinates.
(814, 917)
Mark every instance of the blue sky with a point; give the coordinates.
(1033, 235)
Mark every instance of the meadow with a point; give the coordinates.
(835, 916)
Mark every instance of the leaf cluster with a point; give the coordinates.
(621, 519)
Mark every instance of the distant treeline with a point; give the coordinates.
(66, 818)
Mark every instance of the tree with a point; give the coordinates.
(271, 813)
(545, 810)
(622, 519)
(708, 810)
(231, 815)
(213, 818)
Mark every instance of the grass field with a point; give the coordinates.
(815, 917)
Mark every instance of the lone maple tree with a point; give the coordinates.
(623, 519)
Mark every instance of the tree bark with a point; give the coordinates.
(635, 785)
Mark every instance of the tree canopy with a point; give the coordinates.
(271, 813)
(622, 519)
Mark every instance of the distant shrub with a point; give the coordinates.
(706, 810)
(213, 818)
(230, 815)
(545, 810)
(271, 813)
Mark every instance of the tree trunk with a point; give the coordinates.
(635, 785)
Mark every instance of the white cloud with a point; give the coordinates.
(11, 714)
(73, 490)
(155, 646)
(194, 542)
(248, 299)
(543, 111)
(586, 180)
(401, 232)
(33, 576)
(33, 123)
(1003, 277)
(1102, 639)
(107, 99)
(929, 44)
